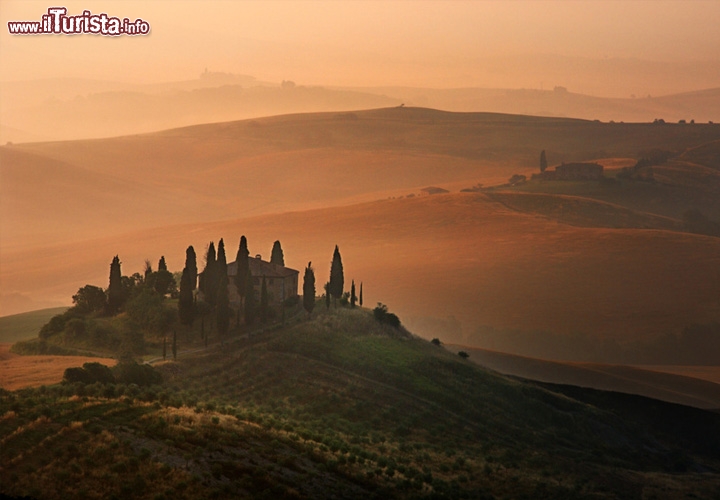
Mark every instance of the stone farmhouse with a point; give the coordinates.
(281, 282)
(572, 172)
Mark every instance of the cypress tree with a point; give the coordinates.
(543, 161)
(191, 265)
(353, 298)
(361, 299)
(162, 279)
(276, 256)
(147, 273)
(309, 289)
(327, 295)
(241, 259)
(209, 279)
(222, 298)
(186, 300)
(249, 306)
(263, 302)
(115, 292)
(337, 280)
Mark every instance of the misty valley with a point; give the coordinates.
(552, 327)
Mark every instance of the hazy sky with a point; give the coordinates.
(431, 43)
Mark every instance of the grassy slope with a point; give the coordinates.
(26, 325)
(343, 407)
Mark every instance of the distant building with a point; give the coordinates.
(281, 282)
(432, 190)
(572, 172)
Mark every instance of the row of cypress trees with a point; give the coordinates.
(214, 283)
(335, 287)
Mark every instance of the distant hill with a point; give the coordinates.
(291, 162)
(651, 382)
(342, 407)
(588, 260)
(700, 106)
(124, 109)
(459, 254)
(62, 109)
(25, 325)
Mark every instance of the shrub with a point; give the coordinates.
(55, 325)
(130, 372)
(99, 373)
(381, 314)
(73, 375)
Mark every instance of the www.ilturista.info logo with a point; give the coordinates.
(57, 22)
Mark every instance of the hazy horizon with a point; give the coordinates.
(610, 49)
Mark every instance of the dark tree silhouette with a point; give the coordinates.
(241, 259)
(353, 298)
(209, 278)
(309, 289)
(186, 301)
(277, 256)
(115, 293)
(191, 265)
(89, 299)
(249, 306)
(222, 297)
(161, 264)
(327, 295)
(147, 272)
(543, 161)
(361, 295)
(337, 280)
(162, 281)
(263, 302)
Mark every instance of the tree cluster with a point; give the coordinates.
(381, 314)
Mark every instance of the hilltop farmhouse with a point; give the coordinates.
(572, 172)
(281, 282)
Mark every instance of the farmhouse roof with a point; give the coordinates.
(259, 267)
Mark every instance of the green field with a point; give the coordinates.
(25, 326)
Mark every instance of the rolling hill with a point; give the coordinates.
(652, 382)
(581, 259)
(459, 254)
(270, 165)
(342, 406)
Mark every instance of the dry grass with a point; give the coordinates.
(18, 372)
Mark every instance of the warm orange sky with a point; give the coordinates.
(421, 43)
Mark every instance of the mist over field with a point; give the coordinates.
(261, 122)
(351, 249)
